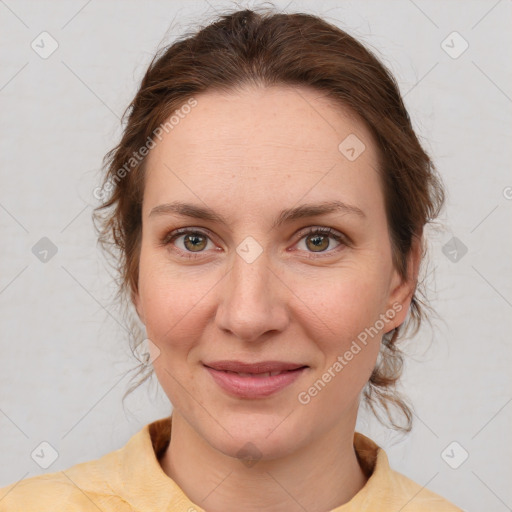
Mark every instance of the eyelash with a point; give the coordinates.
(170, 237)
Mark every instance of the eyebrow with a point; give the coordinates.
(285, 216)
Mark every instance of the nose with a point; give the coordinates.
(253, 300)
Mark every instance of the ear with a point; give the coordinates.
(138, 306)
(402, 289)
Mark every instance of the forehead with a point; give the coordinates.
(285, 118)
(278, 140)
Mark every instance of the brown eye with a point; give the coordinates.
(320, 240)
(188, 243)
(194, 242)
(317, 243)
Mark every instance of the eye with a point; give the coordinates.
(192, 241)
(318, 240)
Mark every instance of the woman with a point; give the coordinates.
(268, 199)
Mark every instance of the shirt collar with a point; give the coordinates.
(142, 482)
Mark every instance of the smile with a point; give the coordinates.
(254, 385)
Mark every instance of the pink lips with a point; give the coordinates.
(245, 380)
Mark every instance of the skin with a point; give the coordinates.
(248, 155)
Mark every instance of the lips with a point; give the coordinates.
(258, 368)
(254, 380)
(266, 374)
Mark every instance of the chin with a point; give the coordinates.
(255, 436)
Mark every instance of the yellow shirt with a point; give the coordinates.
(131, 480)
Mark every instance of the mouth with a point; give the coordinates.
(264, 380)
(256, 368)
(259, 375)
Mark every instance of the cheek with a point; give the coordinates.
(174, 302)
(348, 337)
(175, 321)
(346, 324)
(347, 301)
(172, 313)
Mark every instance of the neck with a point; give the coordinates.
(320, 477)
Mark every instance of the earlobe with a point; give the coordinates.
(404, 288)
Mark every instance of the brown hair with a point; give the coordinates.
(268, 48)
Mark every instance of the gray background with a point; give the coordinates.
(64, 352)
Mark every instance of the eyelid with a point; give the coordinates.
(175, 233)
(324, 230)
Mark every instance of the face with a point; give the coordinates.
(251, 283)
